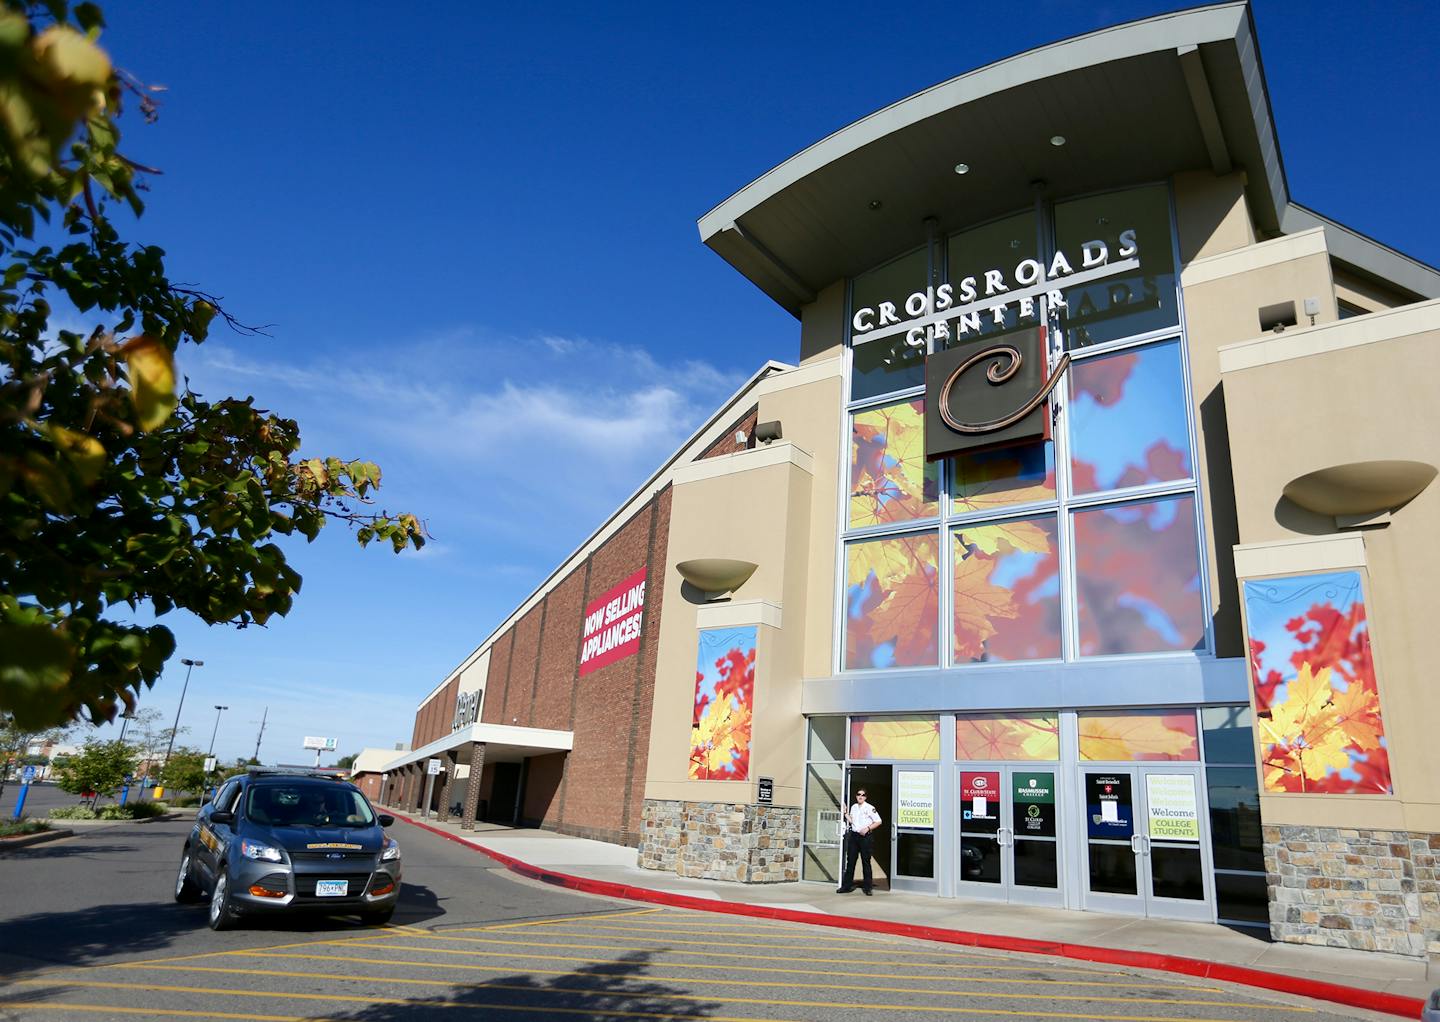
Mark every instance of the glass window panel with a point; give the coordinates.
(1127, 303)
(988, 736)
(893, 282)
(821, 864)
(1128, 421)
(1315, 687)
(1242, 898)
(1007, 591)
(1137, 577)
(997, 246)
(889, 478)
(827, 738)
(895, 738)
(1229, 734)
(980, 859)
(1112, 869)
(1177, 873)
(824, 793)
(1035, 864)
(1235, 837)
(915, 855)
(885, 366)
(892, 594)
(1022, 474)
(1138, 735)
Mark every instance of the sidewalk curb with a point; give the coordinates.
(8, 844)
(1354, 997)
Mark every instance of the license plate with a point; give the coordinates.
(331, 888)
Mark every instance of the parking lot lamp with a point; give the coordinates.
(218, 710)
(190, 665)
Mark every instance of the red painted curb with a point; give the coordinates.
(1354, 997)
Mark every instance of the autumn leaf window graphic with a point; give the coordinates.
(720, 728)
(1317, 699)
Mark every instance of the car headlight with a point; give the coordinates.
(258, 850)
(392, 850)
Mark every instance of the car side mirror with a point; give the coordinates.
(221, 816)
(386, 820)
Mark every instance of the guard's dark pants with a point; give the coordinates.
(861, 845)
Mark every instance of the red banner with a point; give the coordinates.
(611, 630)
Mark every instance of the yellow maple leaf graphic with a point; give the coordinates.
(976, 602)
(724, 728)
(1007, 537)
(1020, 738)
(900, 739)
(1141, 736)
(894, 483)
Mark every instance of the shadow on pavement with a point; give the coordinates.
(66, 848)
(598, 990)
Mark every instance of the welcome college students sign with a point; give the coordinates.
(612, 625)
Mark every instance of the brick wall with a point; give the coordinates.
(597, 790)
(726, 444)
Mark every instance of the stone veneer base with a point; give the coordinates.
(748, 844)
(1375, 890)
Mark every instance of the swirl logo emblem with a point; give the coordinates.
(991, 395)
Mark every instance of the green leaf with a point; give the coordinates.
(152, 380)
(35, 665)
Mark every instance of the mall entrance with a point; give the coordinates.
(1146, 841)
(1009, 823)
(905, 797)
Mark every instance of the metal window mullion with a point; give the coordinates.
(1132, 494)
(1122, 343)
(842, 566)
(894, 397)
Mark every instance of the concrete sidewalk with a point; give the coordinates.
(596, 860)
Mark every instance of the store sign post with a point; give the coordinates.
(1171, 808)
(980, 799)
(917, 799)
(1110, 805)
(1032, 802)
(612, 625)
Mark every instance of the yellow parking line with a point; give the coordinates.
(466, 1005)
(292, 974)
(240, 951)
(728, 942)
(695, 965)
(565, 919)
(471, 1006)
(111, 1009)
(870, 945)
(725, 954)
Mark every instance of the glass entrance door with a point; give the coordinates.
(1144, 827)
(913, 829)
(1009, 848)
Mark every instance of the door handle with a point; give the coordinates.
(1144, 844)
(1135, 843)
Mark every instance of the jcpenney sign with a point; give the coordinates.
(927, 315)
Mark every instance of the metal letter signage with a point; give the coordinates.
(1005, 404)
(467, 710)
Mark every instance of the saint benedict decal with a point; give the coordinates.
(989, 393)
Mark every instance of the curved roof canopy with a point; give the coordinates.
(1134, 103)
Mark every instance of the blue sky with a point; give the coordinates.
(473, 228)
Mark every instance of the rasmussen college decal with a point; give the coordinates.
(1006, 403)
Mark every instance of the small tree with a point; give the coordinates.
(346, 762)
(100, 767)
(15, 743)
(185, 771)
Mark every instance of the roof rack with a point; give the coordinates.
(284, 771)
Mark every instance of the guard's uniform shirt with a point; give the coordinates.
(863, 818)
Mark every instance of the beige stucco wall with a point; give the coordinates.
(774, 506)
(1352, 391)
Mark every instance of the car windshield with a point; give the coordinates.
(307, 805)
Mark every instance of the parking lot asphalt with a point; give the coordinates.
(88, 929)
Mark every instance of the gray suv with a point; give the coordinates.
(278, 842)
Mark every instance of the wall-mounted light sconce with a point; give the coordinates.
(1361, 492)
(716, 576)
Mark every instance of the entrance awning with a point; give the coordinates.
(504, 743)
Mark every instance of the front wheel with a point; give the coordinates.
(222, 915)
(186, 890)
(377, 918)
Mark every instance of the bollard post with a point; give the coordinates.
(124, 793)
(20, 800)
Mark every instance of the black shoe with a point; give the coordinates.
(843, 890)
(868, 892)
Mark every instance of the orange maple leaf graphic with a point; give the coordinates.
(895, 739)
(895, 598)
(722, 732)
(1007, 738)
(890, 479)
(976, 602)
(1316, 732)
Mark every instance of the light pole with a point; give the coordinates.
(190, 665)
(218, 710)
(127, 717)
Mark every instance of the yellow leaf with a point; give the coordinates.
(1025, 537)
(84, 452)
(901, 739)
(152, 380)
(1137, 736)
(1359, 710)
(67, 55)
(976, 602)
